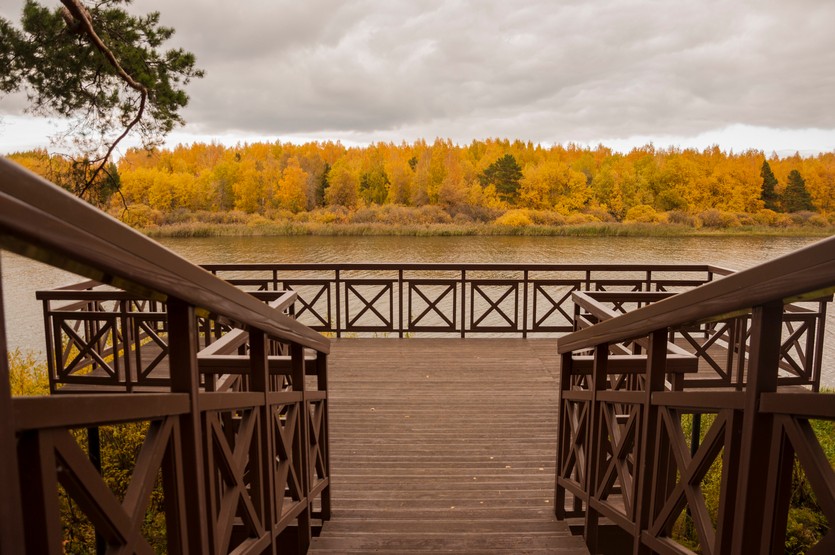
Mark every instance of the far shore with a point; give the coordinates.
(607, 229)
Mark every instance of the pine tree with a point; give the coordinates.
(505, 173)
(796, 197)
(102, 68)
(768, 193)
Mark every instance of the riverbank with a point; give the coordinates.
(266, 228)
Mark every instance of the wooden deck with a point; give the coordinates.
(443, 445)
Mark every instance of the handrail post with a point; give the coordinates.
(820, 334)
(464, 303)
(766, 328)
(596, 456)
(185, 378)
(647, 466)
(338, 318)
(263, 490)
(400, 302)
(322, 384)
(563, 436)
(525, 305)
(11, 521)
(298, 376)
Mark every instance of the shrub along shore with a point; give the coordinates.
(433, 221)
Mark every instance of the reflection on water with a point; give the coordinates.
(22, 277)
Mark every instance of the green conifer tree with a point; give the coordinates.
(768, 194)
(505, 173)
(796, 197)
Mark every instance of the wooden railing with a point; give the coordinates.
(624, 453)
(84, 321)
(406, 299)
(243, 460)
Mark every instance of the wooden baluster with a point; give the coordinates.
(303, 454)
(766, 330)
(595, 451)
(11, 523)
(263, 486)
(649, 462)
(563, 437)
(182, 347)
(324, 446)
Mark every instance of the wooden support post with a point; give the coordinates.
(596, 454)
(563, 436)
(297, 371)
(40, 482)
(182, 354)
(263, 488)
(766, 328)
(322, 367)
(11, 521)
(647, 462)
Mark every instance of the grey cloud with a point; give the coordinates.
(539, 70)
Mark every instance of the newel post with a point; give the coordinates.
(263, 487)
(652, 464)
(596, 457)
(766, 328)
(185, 378)
(11, 522)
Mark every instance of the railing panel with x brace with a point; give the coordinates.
(235, 438)
(623, 450)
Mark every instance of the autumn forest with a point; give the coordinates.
(496, 182)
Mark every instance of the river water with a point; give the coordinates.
(22, 277)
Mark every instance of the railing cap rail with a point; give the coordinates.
(41, 221)
(469, 266)
(805, 273)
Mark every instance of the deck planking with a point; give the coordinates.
(443, 445)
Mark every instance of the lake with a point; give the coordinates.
(22, 277)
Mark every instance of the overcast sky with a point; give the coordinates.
(741, 74)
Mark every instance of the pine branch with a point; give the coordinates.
(79, 21)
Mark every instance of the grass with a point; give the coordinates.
(291, 228)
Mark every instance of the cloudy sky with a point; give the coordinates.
(740, 74)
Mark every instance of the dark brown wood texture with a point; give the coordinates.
(42, 221)
(443, 445)
(622, 448)
(242, 458)
(454, 299)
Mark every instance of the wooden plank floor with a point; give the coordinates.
(443, 445)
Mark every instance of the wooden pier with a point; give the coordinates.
(443, 445)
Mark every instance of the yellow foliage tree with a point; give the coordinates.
(291, 192)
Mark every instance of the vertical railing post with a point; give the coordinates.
(463, 303)
(766, 329)
(647, 465)
(820, 334)
(297, 372)
(400, 302)
(263, 488)
(338, 303)
(185, 378)
(563, 436)
(525, 306)
(324, 446)
(11, 521)
(596, 454)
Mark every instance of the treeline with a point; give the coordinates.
(483, 181)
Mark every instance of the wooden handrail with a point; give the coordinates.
(418, 266)
(44, 222)
(804, 274)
